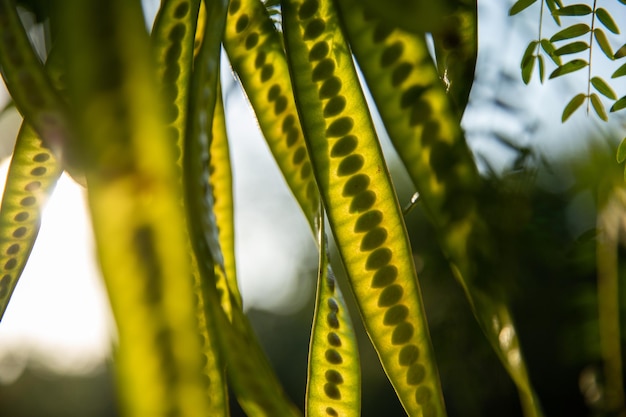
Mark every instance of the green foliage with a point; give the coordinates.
(142, 121)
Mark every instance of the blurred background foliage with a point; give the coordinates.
(548, 204)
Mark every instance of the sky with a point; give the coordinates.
(59, 314)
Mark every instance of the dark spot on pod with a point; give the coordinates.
(423, 395)
(369, 220)
(288, 123)
(401, 73)
(234, 6)
(390, 295)
(28, 201)
(395, 315)
(280, 105)
(4, 285)
(381, 32)
(260, 59)
(323, 70)
(415, 375)
(411, 95)
(350, 165)
(171, 114)
(391, 54)
(11, 263)
(333, 339)
(378, 259)
(332, 391)
(41, 157)
(20, 217)
(458, 205)
(39, 171)
(319, 51)
(314, 29)
(32, 186)
(299, 155)
(355, 185)
(340, 127)
(333, 357)
(384, 276)
(273, 92)
(402, 333)
(420, 113)
(306, 170)
(178, 33)
(170, 91)
(181, 11)
(19, 232)
(333, 376)
(344, 146)
(331, 412)
(252, 40)
(308, 9)
(13, 249)
(332, 304)
(330, 282)
(172, 134)
(373, 239)
(442, 159)
(330, 88)
(430, 132)
(331, 319)
(242, 23)
(292, 137)
(408, 355)
(171, 73)
(362, 202)
(334, 106)
(266, 72)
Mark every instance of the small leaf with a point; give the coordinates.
(572, 106)
(572, 48)
(621, 151)
(606, 19)
(603, 88)
(619, 104)
(571, 32)
(604, 43)
(620, 72)
(541, 68)
(552, 6)
(598, 107)
(574, 10)
(621, 52)
(569, 67)
(520, 5)
(547, 46)
(527, 69)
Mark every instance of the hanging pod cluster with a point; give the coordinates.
(139, 115)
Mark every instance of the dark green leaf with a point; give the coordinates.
(604, 43)
(541, 68)
(519, 6)
(572, 48)
(620, 72)
(598, 107)
(619, 104)
(547, 46)
(603, 88)
(574, 10)
(621, 151)
(568, 67)
(527, 69)
(621, 52)
(552, 6)
(571, 32)
(572, 106)
(606, 19)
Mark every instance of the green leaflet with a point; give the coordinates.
(134, 198)
(28, 84)
(361, 204)
(257, 56)
(334, 373)
(425, 131)
(33, 173)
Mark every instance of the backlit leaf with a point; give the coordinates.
(603, 88)
(574, 10)
(572, 106)
(572, 48)
(598, 107)
(606, 19)
(620, 72)
(548, 47)
(571, 32)
(520, 5)
(603, 42)
(621, 151)
(541, 68)
(619, 104)
(621, 52)
(569, 67)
